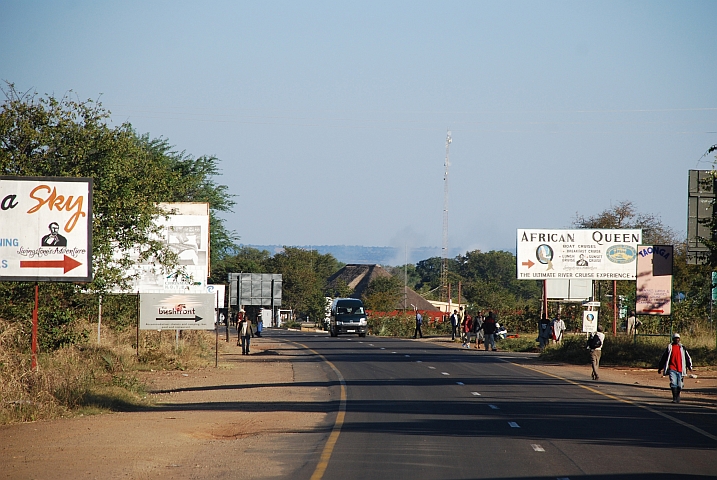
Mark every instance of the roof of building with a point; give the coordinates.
(358, 276)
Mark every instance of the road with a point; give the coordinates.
(418, 410)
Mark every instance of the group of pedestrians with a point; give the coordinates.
(482, 328)
(550, 331)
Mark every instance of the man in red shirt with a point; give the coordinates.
(675, 362)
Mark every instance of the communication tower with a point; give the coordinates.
(444, 248)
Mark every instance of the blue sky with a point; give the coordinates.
(330, 118)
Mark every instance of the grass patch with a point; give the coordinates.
(523, 343)
(86, 378)
(404, 326)
(623, 351)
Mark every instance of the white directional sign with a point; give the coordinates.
(46, 229)
(594, 254)
(179, 311)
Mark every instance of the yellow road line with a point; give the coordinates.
(623, 400)
(336, 430)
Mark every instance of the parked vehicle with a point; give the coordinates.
(348, 316)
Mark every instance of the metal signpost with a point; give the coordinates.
(47, 233)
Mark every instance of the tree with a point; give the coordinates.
(304, 277)
(66, 137)
(625, 215)
(383, 294)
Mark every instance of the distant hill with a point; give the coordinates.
(372, 255)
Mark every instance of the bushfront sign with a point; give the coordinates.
(594, 254)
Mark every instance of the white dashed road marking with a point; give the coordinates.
(475, 394)
(432, 368)
(460, 383)
(406, 356)
(445, 373)
(494, 407)
(513, 425)
(537, 447)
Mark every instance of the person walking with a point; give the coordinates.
(478, 328)
(544, 332)
(595, 343)
(454, 324)
(419, 322)
(246, 332)
(489, 331)
(461, 324)
(557, 327)
(467, 330)
(675, 362)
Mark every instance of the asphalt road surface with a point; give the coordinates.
(416, 410)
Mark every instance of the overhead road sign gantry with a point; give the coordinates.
(594, 254)
(46, 233)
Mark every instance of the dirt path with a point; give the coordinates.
(261, 416)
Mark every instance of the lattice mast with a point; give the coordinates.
(444, 248)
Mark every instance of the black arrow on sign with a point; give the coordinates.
(196, 319)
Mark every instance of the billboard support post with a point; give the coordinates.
(137, 324)
(34, 328)
(614, 308)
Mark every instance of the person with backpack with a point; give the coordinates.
(674, 363)
(489, 331)
(595, 343)
(544, 332)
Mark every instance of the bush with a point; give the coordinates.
(404, 325)
(623, 350)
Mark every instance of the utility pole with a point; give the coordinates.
(444, 248)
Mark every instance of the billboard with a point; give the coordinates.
(183, 311)
(259, 289)
(46, 229)
(700, 208)
(654, 280)
(186, 232)
(585, 254)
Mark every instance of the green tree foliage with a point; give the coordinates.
(242, 260)
(383, 294)
(625, 215)
(304, 276)
(66, 137)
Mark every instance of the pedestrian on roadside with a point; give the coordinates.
(633, 324)
(489, 331)
(419, 322)
(675, 362)
(246, 332)
(237, 320)
(557, 327)
(454, 324)
(467, 330)
(461, 324)
(477, 328)
(259, 324)
(595, 343)
(544, 332)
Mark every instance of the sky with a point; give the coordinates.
(329, 119)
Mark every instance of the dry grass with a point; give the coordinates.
(644, 352)
(89, 378)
